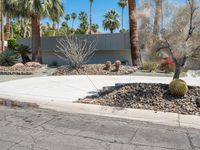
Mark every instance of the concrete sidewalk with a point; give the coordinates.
(70, 88)
(59, 92)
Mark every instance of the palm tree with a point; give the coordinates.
(73, 16)
(123, 4)
(95, 28)
(2, 26)
(9, 8)
(91, 1)
(83, 17)
(67, 17)
(57, 11)
(135, 53)
(36, 9)
(157, 17)
(111, 21)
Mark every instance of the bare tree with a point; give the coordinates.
(75, 50)
(179, 39)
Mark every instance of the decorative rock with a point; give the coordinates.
(198, 102)
(33, 64)
(149, 96)
(18, 65)
(92, 69)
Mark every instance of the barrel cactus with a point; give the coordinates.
(117, 65)
(108, 65)
(178, 87)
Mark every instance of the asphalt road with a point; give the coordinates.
(39, 129)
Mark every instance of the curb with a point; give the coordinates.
(163, 118)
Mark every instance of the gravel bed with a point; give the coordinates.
(94, 69)
(20, 70)
(148, 96)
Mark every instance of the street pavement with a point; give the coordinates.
(42, 129)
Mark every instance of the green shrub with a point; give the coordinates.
(8, 58)
(23, 51)
(178, 87)
(150, 66)
(12, 43)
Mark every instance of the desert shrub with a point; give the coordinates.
(23, 51)
(167, 65)
(76, 51)
(8, 58)
(178, 87)
(12, 43)
(150, 66)
(117, 65)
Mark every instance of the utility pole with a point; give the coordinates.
(2, 27)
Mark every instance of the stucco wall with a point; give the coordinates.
(109, 47)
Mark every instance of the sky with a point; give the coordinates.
(99, 9)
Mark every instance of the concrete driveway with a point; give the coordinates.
(70, 88)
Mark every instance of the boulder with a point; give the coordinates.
(198, 102)
(33, 64)
(18, 65)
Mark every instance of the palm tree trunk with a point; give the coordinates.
(157, 17)
(54, 28)
(7, 27)
(36, 41)
(90, 17)
(111, 30)
(122, 18)
(2, 27)
(72, 24)
(135, 53)
(25, 26)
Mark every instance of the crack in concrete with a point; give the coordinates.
(129, 142)
(190, 140)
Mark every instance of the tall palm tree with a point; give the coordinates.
(9, 8)
(2, 26)
(36, 9)
(123, 4)
(157, 17)
(83, 17)
(135, 53)
(57, 11)
(111, 21)
(67, 17)
(91, 2)
(73, 16)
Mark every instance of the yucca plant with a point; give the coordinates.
(8, 58)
